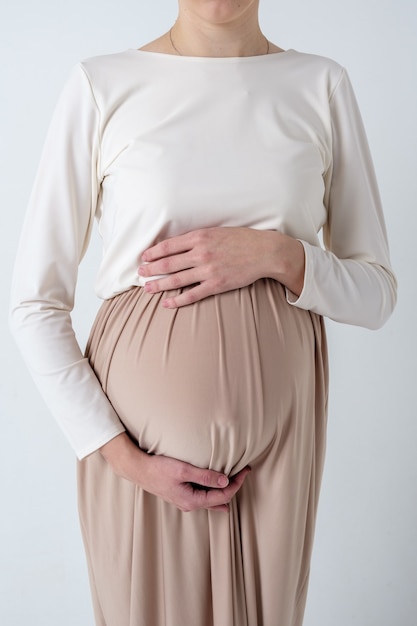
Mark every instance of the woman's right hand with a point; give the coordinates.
(186, 486)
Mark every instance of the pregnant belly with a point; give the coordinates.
(213, 383)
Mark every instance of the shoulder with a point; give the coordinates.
(104, 66)
(318, 70)
(107, 61)
(316, 62)
(108, 77)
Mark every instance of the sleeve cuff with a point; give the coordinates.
(303, 301)
(105, 438)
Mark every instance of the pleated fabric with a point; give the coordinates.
(238, 378)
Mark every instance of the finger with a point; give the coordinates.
(236, 482)
(199, 292)
(207, 478)
(195, 499)
(208, 499)
(179, 280)
(224, 508)
(166, 265)
(174, 245)
(214, 498)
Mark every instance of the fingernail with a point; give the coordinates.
(222, 481)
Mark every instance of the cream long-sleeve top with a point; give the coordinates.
(153, 145)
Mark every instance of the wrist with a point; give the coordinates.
(287, 261)
(123, 456)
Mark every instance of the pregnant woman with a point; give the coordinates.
(211, 159)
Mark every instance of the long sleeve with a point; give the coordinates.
(351, 280)
(114, 136)
(55, 235)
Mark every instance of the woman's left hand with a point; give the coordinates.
(215, 260)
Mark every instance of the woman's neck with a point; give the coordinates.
(211, 34)
(193, 35)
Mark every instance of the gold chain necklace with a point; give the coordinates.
(179, 53)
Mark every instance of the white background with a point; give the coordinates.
(365, 559)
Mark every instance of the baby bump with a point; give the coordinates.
(213, 383)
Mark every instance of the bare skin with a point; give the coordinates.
(218, 28)
(213, 260)
(216, 260)
(170, 479)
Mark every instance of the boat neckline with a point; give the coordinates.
(239, 59)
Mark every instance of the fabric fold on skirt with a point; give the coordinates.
(239, 378)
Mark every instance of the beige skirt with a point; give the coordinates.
(236, 379)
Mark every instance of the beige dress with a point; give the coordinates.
(237, 379)
(153, 146)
